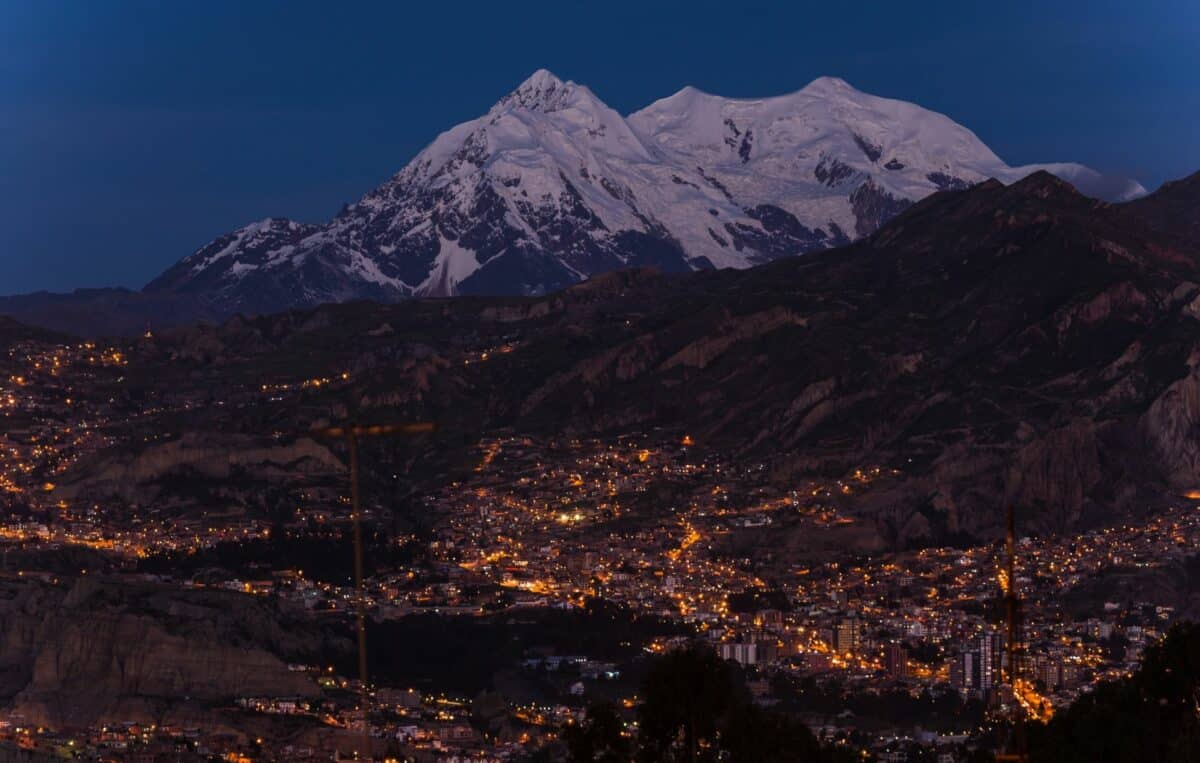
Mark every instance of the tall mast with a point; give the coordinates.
(1017, 747)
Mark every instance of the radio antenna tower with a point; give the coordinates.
(351, 433)
(1018, 744)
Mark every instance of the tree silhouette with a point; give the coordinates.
(598, 738)
(1151, 717)
(696, 709)
(686, 693)
(754, 735)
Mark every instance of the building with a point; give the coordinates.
(757, 652)
(964, 671)
(771, 619)
(743, 653)
(846, 638)
(895, 660)
(991, 649)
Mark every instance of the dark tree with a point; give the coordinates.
(696, 708)
(753, 735)
(1151, 717)
(686, 694)
(598, 739)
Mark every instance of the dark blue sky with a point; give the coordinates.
(133, 132)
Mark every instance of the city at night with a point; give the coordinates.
(599, 382)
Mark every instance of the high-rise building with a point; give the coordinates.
(1071, 675)
(756, 652)
(896, 660)
(964, 671)
(991, 649)
(956, 673)
(768, 650)
(743, 653)
(1048, 671)
(846, 636)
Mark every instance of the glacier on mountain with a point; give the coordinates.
(552, 186)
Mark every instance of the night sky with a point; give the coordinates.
(131, 133)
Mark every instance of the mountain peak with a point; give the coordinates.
(541, 79)
(542, 91)
(1172, 208)
(824, 85)
(552, 186)
(1044, 184)
(1189, 183)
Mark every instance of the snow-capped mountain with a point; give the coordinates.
(552, 186)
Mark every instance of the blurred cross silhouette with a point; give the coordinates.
(351, 432)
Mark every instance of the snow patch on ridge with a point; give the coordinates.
(451, 267)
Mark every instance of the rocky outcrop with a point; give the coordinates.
(1171, 427)
(1056, 474)
(106, 651)
(209, 456)
(873, 206)
(732, 331)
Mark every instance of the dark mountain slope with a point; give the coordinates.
(106, 312)
(1172, 209)
(1020, 344)
(12, 330)
(1004, 344)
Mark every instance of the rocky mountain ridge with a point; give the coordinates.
(103, 652)
(552, 186)
(1017, 344)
